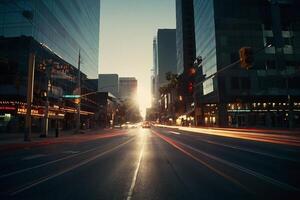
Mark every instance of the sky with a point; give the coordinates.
(127, 28)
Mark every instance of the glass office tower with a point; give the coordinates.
(165, 54)
(266, 95)
(54, 31)
(185, 35)
(63, 26)
(205, 36)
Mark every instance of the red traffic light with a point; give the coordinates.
(192, 71)
(246, 57)
(190, 87)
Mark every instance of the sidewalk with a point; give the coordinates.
(13, 141)
(6, 138)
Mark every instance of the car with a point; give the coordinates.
(146, 124)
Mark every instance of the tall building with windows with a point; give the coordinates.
(64, 26)
(109, 83)
(45, 37)
(185, 44)
(154, 76)
(268, 94)
(185, 35)
(165, 53)
(127, 88)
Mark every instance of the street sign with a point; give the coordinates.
(71, 96)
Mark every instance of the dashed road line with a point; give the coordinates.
(133, 182)
(33, 157)
(174, 132)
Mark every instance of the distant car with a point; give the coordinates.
(117, 126)
(146, 124)
(126, 125)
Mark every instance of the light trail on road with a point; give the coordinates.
(175, 144)
(259, 137)
(183, 147)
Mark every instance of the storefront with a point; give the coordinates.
(263, 114)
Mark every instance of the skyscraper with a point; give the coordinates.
(185, 43)
(127, 88)
(109, 83)
(165, 54)
(185, 35)
(268, 94)
(64, 26)
(42, 39)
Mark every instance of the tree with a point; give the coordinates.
(173, 80)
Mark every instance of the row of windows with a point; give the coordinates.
(205, 39)
(244, 83)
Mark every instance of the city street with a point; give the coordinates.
(156, 163)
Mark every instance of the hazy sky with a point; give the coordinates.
(126, 35)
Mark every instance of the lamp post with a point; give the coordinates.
(46, 115)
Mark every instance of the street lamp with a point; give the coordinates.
(46, 115)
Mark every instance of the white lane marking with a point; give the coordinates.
(69, 169)
(243, 169)
(71, 152)
(133, 182)
(47, 163)
(249, 150)
(33, 157)
(174, 132)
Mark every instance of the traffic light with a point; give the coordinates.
(246, 57)
(77, 101)
(43, 95)
(192, 72)
(190, 87)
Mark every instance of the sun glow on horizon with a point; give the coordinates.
(143, 99)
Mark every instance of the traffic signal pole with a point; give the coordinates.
(46, 114)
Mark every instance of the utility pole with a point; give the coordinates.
(30, 83)
(46, 115)
(79, 93)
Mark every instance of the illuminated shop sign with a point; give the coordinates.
(7, 108)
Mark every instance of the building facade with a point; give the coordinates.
(53, 78)
(185, 43)
(165, 54)
(51, 34)
(185, 35)
(266, 95)
(109, 83)
(127, 88)
(65, 27)
(154, 76)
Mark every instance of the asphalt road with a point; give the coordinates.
(157, 163)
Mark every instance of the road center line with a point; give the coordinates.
(133, 182)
